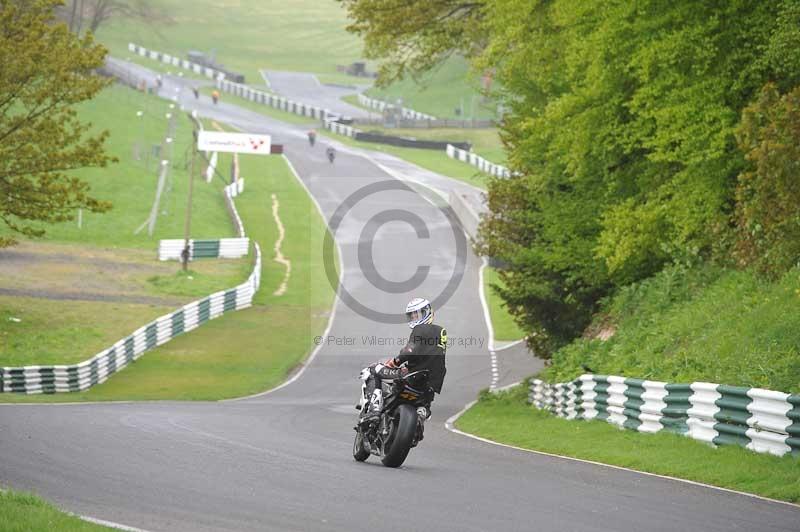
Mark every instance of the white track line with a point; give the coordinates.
(450, 425)
(488, 319)
(110, 524)
(314, 353)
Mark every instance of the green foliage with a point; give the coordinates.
(768, 190)
(415, 36)
(696, 324)
(46, 71)
(621, 126)
(507, 418)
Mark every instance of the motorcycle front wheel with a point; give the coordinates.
(405, 425)
(359, 452)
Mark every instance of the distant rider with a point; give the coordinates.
(331, 153)
(312, 137)
(426, 349)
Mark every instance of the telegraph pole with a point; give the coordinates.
(188, 224)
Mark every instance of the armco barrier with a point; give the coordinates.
(764, 421)
(341, 129)
(380, 105)
(478, 162)
(177, 62)
(78, 377)
(275, 101)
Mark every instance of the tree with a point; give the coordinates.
(46, 71)
(619, 131)
(768, 190)
(91, 14)
(415, 36)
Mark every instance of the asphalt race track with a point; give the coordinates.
(282, 460)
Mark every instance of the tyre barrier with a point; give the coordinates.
(764, 421)
(406, 113)
(176, 61)
(273, 100)
(82, 376)
(220, 248)
(477, 161)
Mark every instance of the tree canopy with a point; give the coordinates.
(46, 70)
(622, 132)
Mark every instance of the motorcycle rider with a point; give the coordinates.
(425, 349)
(331, 153)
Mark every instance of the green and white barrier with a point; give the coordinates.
(764, 421)
(484, 165)
(380, 105)
(176, 62)
(273, 100)
(79, 377)
(220, 248)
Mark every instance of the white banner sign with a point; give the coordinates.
(233, 142)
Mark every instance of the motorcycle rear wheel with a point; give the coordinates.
(405, 425)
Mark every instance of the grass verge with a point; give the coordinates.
(23, 512)
(505, 329)
(131, 184)
(507, 418)
(703, 323)
(433, 160)
(440, 93)
(248, 351)
(247, 35)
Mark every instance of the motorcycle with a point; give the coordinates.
(331, 154)
(401, 423)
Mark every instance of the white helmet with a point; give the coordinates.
(419, 311)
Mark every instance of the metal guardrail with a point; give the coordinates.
(764, 421)
(484, 165)
(176, 62)
(273, 100)
(405, 112)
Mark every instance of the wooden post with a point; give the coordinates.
(188, 224)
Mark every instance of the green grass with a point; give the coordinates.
(23, 512)
(506, 418)
(433, 160)
(441, 92)
(230, 356)
(265, 110)
(505, 329)
(130, 184)
(700, 324)
(247, 35)
(485, 142)
(58, 332)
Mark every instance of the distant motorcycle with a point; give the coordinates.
(401, 423)
(331, 153)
